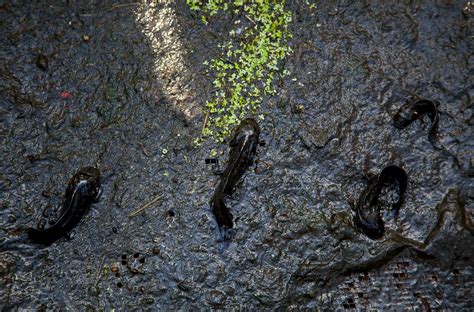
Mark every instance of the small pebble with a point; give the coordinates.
(297, 109)
(42, 62)
(147, 300)
(86, 38)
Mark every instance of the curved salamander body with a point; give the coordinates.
(414, 110)
(243, 150)
(83, 189)
(367, 216)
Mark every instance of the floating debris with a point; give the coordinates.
(65, 95)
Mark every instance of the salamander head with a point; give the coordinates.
(247, 128)
(414, 110)
(423, 106)
(88, 180)
(394, 172)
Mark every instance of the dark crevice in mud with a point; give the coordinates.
(376, 262)
(465, 199)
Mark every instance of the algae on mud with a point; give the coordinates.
(248, 64)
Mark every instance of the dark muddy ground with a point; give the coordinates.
(135, 85)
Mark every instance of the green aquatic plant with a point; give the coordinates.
(311, 3)
(250, 61)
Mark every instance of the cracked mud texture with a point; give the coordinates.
(123, 88)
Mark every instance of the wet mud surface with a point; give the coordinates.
(122, 90)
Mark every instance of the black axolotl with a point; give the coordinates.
(413, 111)
(243, 148)
(83, 190)
(367, 213)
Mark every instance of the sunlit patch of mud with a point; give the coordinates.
(159, 23)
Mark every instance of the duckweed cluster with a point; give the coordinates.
(249, 62)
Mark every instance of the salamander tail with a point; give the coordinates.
(43, 237)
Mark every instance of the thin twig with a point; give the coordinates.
(204, 124)
(250, 19)
(99, 271)
(145, 206)
(144, 150)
